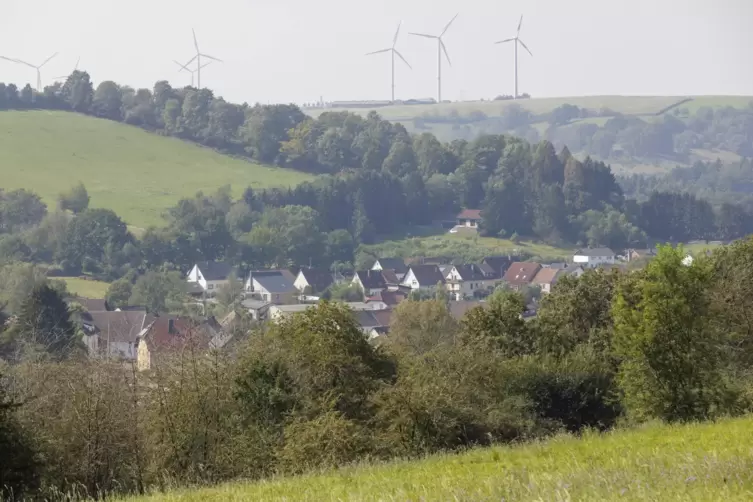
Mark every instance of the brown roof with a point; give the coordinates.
(469, 214)
(546, 276)
(93, 304)
(391, 298)
(521, 273)
(168, 333)
(117, 326)
(459, 309)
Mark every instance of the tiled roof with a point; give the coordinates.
(274, 281)
(427, 275)
(595, 252)
(469, 214)
(215, 270)
(319, 279)
(396, 264)
(521, 272)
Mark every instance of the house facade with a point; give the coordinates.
(370, 282)
(463, 281)
(274, 286)
(423, 277)
(210, 275)
(114, 334)
(521, 274)
(397, 265)
(593, 257)
(313, 280)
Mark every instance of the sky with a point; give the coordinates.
(302, 50)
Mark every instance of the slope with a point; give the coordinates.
(135, 173)
(702, 462)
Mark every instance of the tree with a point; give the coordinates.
(20, 468)
(107, 101)
(90, 236)
(20, 210)
(670, 358)
(75, 200)
(44, 323)
(118, 293)
(78, 91)
(228, 295)
(401, 160)
(159, 292)
(345, 292)
(421, 326)
(500, 326)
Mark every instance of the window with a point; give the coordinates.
(211, 286)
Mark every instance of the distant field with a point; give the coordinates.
(135, 173)
(707, 462)
(85, 288)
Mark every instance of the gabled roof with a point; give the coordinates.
(366, 319)
(170, 333)
(396, 264)
(427, 275)
(215, 270)
(546, 276)
(274, 281)
(499, 264)
(116, 326)
(469, 214)
(93, 304)
(595, 252)
(521, 272)
(371, 279)
(470, 272)
(319, 279)
(390, 298)
(390, 276)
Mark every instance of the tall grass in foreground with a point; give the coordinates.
(708, 462)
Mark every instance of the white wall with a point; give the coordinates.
(593, 261)
(300, 282)
(195, 276)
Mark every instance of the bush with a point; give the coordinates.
(19, 468)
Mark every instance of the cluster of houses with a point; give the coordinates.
(132, 334)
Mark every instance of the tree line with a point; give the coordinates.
(670, 342)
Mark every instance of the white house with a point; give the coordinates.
(210, 275)
(274, 286)
(469, 218)
(395, 264)
(591, 258)
(463, 281)
(423, 277)
(313, 280)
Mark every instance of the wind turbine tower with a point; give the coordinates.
(440, 49)
(38, 68)
(197, 58)
(394, 52)
(516, 40)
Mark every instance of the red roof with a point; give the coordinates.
(521, 273)
(469, 214)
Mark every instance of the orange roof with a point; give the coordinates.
(546, 276)
(469, 214)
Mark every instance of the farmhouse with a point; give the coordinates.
(114, 334)
(593, 257)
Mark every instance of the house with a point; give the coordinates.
(313, 280)
(114, 333)
(423, 277)
(277, 312)
(638, 254)
(463, 281)
(210, 275)
(546, 278)
(574, 271)
(593, 257)
(274, 286)
(470, 218)
(371, 281)
(521, 273)
(257, 308)
(169, 335)
(497, 265)
(395, 264)
(389, 297)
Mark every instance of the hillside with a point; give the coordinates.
(705, 462)
(133, 172)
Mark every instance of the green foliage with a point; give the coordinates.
(44, 324)
(670, 358)
(119, 293)
(345, 292)
(20, 468)
(75, 200)
(159, 292)
(418, 327)
(500, 326)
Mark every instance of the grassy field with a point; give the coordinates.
(708, 462)
(135, 173)
(85, 288)
(629, 105)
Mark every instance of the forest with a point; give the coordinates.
(670, 342)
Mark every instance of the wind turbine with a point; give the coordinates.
(440, 48)
(516, 39)
(192, 72)
(75, 68)
(197, 58)
(38, 68)
(394, 52)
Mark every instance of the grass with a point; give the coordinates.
(706, 462)
(135, 173)
(85, 288)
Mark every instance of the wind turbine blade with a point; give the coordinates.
(182, 67)
(212, 58)
(9, 59)
(195, 42)
(48, 60)
(520, 23)
(423, 35)
(77, 62)
(448, 24)
(379, 52)
(206, 64)
(401, 57)
(190, 61)
(505, 41)
(444, 49)
(525, 47)
(394, 40)
(24, 62)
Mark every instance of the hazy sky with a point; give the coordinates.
(298, 50)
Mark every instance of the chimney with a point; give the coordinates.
(171, 326)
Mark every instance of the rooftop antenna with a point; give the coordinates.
(516, 39)
(394, 52)
(38, 68)
(440, 48)
(75, 68)
(197, 58)
(189, 70)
